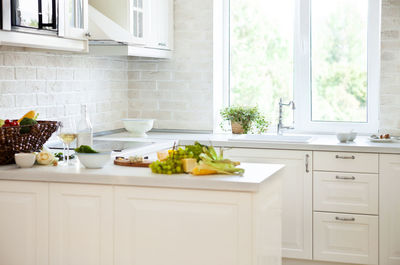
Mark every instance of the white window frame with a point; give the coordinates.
(302, 74)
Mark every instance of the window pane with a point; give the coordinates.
(261, 54)
(339, 60)
(25, 13)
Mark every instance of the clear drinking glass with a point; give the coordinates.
(67, 134)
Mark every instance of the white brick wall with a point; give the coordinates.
(390, 68)
(178, 92)
(55, 84)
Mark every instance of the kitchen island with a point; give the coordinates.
(118, 215)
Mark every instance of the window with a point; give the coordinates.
(324, 54)
(29, 14)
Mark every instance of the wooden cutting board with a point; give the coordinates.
(127, 163)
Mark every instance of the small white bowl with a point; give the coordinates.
(343, 137)
(352, 136)
(25, 160)
(138, 127)
(95, 160)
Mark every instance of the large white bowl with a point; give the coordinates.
(25, 160)
(95, 160)
(138, 127)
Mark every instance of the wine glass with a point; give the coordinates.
(67, 134)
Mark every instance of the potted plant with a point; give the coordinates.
(245, 119)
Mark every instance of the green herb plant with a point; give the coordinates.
(250, 118)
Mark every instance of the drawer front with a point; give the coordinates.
(346, 192)
(346, 238)
(346, 162)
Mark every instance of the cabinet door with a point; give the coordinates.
(296, 195)
(81, 224)
(346, 238)
(190, 227)
(389, 209)
(23, 223)
(160, 25)
(139, 14)
(74, 19)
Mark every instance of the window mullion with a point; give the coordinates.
(302, 50)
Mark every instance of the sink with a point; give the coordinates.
(272, 138)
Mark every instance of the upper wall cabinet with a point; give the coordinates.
(46, 24)
(149, 24)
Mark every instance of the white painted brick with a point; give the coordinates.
(25, 73)
(7, 101)
(7, 73)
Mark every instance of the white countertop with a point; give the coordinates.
(254, 176)
(318, 143)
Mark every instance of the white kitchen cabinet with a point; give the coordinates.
(81, 224)
(346, 162)
(160, 24)
(76, 19)
(389, 204)
(296, 195)
(156, 226)
(346, 192)
(23, 223)
(346, 238)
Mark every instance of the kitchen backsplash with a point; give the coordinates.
(390, 67)
(177, 92)
(55, 85)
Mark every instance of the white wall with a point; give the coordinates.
(178, 93)
(55, 84)
(390, 68)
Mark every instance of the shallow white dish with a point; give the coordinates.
(95, 160)
(138, 127)
(25, 160)
(378, 140)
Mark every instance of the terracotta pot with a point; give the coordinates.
(237, 128)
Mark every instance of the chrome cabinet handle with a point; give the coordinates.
(345, 219)
(162, 44)
(346, 178)
(88, 35)
(307, 163)
(345, 157)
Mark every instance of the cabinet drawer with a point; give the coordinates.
(346, 162)
(346, 238)
(346, 192)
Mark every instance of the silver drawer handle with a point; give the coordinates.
(345, 157)
(307, 163)
(346, 178)
(345, 219)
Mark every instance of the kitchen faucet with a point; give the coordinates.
(280, 125)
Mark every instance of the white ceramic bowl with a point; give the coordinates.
(343, 137)
(138, 127)
(25, 160)
(352, 136)
(95, 160)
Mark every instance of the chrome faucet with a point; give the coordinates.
(280, 124)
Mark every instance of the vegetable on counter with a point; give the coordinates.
(46, 158)
(30, 114)
(196, 159)
(24, 122)
(60, 156)
(85, 149)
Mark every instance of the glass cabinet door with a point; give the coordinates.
(137, 17)
(76, 19)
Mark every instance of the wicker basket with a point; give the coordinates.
(12, 141)
(237, 128)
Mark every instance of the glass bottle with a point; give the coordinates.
(84, 129)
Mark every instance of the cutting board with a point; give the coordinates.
(127, 163)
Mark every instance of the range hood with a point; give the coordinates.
(104, 31)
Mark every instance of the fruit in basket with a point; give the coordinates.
(26, 124)
(1, 122)
(30, 114)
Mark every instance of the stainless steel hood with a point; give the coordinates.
(104, 31)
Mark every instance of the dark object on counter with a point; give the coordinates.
(26, 125)
(85, 149)
(60, 156)
(13, 141)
